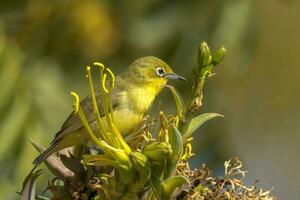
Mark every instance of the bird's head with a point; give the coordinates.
(151, 71)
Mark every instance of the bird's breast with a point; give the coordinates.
(141, 98)
(134, 103)
(126, 120)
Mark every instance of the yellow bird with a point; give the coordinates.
(134, 91)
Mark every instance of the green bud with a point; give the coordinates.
(157, 151)
(218, 55)
(204, 55)
(140, 163)
(121, 157)
(138, 159)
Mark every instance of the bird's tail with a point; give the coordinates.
(44, 155)
(41, 158)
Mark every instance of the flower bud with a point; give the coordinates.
(138, 159)
(157, 151)
(140, 163)
(218, 55)
(204, 56)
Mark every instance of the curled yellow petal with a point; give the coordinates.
(88, 68)
(84, 121)
(95, 106)
(103, 84)
(113, 78)
(187, 150)
(76, 104)
(99, 65)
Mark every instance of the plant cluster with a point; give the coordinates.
(144, 165)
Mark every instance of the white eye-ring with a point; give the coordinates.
(160, 71)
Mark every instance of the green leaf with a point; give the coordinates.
(170, 185)
(28, 191)
(126, 173)
(176, 142)
(156, 186)
(178, 101)
(198, 121)
(99, 160)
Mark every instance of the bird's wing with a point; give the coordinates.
(74, 123)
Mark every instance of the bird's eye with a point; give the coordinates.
(160, 71)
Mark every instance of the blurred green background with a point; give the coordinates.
(45, 46)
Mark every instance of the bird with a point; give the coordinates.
(133, 94)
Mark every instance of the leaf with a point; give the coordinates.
(126, 173)
(73, 164)
(28, 192)
(178, 101)
(170, 185)
(99, 160)
(102, 160)
(198, 121)
(156, 186)
(176, 142)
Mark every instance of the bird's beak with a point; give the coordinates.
(174, 76)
